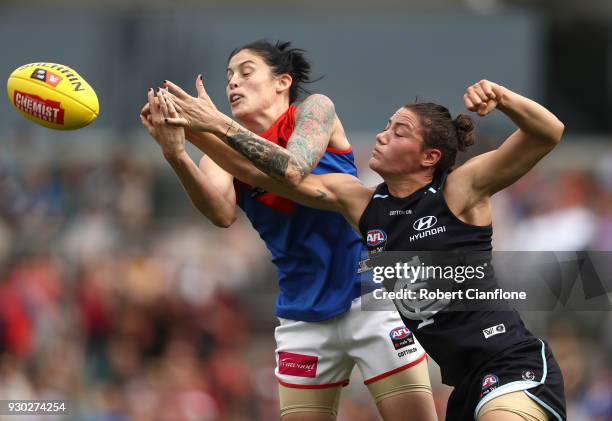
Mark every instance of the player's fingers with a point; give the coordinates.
(498, 91)
(163, 97)
(146, 109)
(474, 96)
(176, 90)
(179, 108)
(177, 121)
(169, 95)
(480, 92)
(162, 103)
(153, 103)
(490, 106)
(200, 87)
(487, 88)
(171, 99)
(147, 123)
(468, 102)
(171, 109)
(481, 108)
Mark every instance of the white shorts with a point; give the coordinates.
(313, 355)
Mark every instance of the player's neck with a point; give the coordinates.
(405, 185)
(262, 120)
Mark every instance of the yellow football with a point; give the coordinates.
(53, 95)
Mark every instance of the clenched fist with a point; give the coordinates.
(482, 97)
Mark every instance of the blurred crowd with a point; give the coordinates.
(117, 296)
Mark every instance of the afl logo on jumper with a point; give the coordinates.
(376, 237)
(401, 337)
(490, 382)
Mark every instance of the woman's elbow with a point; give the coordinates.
(554, 133)
(224, 222)
(559, 129)
(218, 219)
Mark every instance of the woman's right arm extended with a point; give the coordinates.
(210, 188)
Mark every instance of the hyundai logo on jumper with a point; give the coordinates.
(425, 227)
(424, 223)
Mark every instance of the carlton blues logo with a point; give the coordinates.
(401, 337)
(376, 237)
(528, 375)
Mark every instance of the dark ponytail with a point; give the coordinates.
(283, 59)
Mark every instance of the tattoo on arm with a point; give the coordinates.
(314, 123)
(322, 194)
(265, 155)
(315, 118)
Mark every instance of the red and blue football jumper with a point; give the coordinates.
(316, 252)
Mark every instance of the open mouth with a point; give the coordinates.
(235, 98)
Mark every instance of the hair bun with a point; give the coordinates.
(465, 131)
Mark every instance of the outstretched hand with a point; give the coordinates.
(171, 139)
(483, 97)
(196, 113)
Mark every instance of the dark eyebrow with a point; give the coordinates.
(240, 64)
(398, 124)
(402, 124)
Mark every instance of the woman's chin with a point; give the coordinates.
(239, 111)
(374, 164)
(377, 166)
